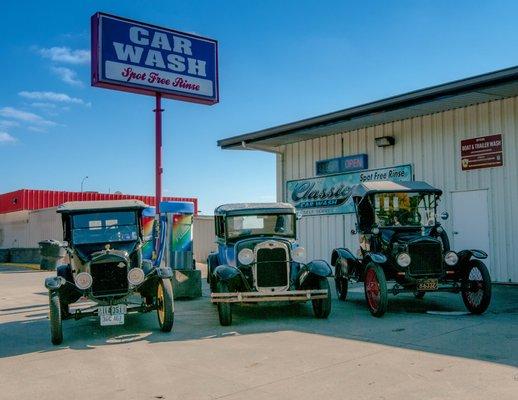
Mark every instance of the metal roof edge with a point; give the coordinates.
(390, 103)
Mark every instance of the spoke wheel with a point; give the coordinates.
(224, 309)
(375, 286)
(341, 283)
(322, 307)
(165, 305)
(476, 292)
(56, 323)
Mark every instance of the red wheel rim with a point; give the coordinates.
(476, 287)
(372, 289)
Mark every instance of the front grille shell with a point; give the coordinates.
(109, 279)
(426, 259)
(271, 269)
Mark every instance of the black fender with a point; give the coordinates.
(231, 276)
(344, 261)
(310, 273)
(68, 292)
(377, 258)
(466, 255)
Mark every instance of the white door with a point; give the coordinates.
(470, 221)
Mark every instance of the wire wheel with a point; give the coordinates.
(341, 283)
(375, 286)
(476, 292)
(165, 305)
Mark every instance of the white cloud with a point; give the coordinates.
(13, 113)
(43, 105)
(66, 55)
(5, 138)
(67, 75)
(4, 124)
(52, 96)
(36, 129)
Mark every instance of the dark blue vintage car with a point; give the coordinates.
(258, 260)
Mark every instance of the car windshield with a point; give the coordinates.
(104, 227)
(404, 209)
(247, 225)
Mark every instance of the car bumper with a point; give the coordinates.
(256, 297)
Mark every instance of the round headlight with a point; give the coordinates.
(451, 258)
(246, 256)
(403, 260)
(83, 280)
(135, 276)
(299, 254)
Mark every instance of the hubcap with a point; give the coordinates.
(372, 289)
(476, 287)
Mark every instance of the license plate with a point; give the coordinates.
(428, 284)
(112, 315)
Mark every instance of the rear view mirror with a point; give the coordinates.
(445, 215)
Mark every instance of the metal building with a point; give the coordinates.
(461, 137)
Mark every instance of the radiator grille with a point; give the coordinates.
(426, 259)
(272, 267)
(109, 279)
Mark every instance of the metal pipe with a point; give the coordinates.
(158, 152)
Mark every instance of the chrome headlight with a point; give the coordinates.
(83, 280)
(299, 254)
(135, 276)
(403, 259)
(451, 258)
(246, 256)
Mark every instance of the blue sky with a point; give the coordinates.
(279, 62)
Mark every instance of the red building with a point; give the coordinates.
(29, 199)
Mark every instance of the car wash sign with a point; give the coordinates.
(330, 194)
(141, 58)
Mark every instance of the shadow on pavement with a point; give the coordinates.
(489, 337)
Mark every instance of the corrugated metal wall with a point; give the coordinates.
(431, 144)
(204, 237)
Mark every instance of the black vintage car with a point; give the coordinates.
(103, 240)
(402, 241)
(258, 260)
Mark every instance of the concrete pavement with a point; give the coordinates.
(268, 353)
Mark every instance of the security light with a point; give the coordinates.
(385, 141)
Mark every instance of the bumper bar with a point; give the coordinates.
(256, 297)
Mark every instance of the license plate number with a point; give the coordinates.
(428, 284)
(112, 315)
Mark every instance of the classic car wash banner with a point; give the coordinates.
(147, 59)
(330, 194)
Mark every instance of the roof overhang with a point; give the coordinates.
(100, 205)
(478, 89)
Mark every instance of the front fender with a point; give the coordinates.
(378, 258)
(225, 272)
(54, 282)
(312, 272)
(342, 253)
(465, 255)
(345, 262)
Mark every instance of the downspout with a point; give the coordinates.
(280, 161)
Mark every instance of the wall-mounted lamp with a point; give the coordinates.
(385, 141)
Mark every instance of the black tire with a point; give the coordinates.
(165, 305)
(376, 294)
(419, 294)
(341, 284)
(56, 324)
(224, 309)
(476, 301)
(322, 307)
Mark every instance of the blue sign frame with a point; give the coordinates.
(147, 59)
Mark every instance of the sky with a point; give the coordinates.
(279, 61)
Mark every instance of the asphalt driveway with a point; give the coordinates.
(421, 349)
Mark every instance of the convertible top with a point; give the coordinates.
(254, 209)
(367, 188)
(100, 205)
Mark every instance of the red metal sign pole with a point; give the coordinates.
(158, 152)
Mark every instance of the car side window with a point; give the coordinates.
(220, 226)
